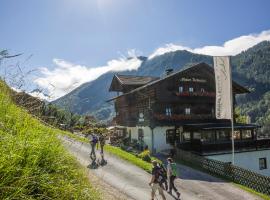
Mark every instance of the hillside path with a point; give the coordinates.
(133, 181)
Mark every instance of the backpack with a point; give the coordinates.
(94, 139)
(102, 140)
(174, 169)
(163, 171)
(158, 175)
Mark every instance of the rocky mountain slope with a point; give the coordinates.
(251, 68)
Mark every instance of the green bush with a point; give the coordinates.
(145, 155)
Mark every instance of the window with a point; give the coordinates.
(196, 135)
(181, 89)
(186, 136)
(129, 135)
(237, 135)
(168, 111)
(262, 163)
(223, 135)
(140, 134)
(246, 134)
(190, 89)
(187, 111)
(177, 135)
(208, 136)
(170, 136)
(213, 112)
(202, 90)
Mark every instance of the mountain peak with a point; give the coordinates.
(250, 67)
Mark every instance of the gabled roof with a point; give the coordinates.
(120, 81)
(135, 80)
(201, 66)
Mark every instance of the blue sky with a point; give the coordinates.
(92, 32)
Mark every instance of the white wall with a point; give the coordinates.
(248, 160)
(147, 137)
(160, 138)
(134, 132)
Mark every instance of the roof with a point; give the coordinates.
(129, 80)
(135, 80)
(240, 89)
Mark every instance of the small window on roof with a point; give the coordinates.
(168, 111)
(187, 111)
(262, 163)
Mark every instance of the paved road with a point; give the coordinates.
(133, 181)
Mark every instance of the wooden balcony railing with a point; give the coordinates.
(203, 148)
(194, 94)
(176, 117)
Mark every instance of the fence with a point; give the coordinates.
(233, 173)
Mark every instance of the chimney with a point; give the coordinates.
(168, 71)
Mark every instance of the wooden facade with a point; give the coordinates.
(182, 96)
(177, 100)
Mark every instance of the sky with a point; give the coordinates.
(71, 42)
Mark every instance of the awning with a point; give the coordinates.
(217, 126)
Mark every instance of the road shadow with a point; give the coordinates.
(189, 173)
(97, 163)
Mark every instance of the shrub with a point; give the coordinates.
(145, 155)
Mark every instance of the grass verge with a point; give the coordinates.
(129, 157)
(33, 162)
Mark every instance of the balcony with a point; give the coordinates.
(218, 147)
(177, 117)
(121, 120)
(194, 94)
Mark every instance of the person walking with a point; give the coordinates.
(171, 174)
(164, 182)
(93, 142)
(156, 181)
(102, 144)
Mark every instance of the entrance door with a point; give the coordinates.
(140, 138)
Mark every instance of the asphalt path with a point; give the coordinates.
(133, 181)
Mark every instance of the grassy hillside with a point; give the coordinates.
(33, 163)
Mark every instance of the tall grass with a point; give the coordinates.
(33, 163)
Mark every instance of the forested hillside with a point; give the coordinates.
(251, 68)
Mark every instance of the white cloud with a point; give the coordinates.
(230, 47)
(168, 48)
(67, 76)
